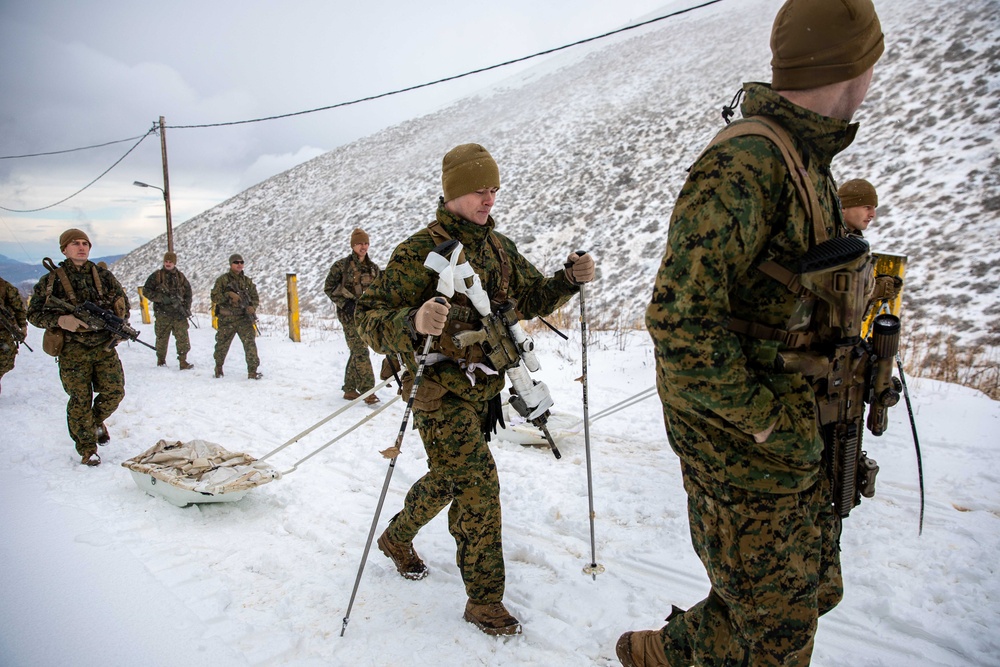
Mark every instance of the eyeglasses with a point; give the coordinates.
(239, 262)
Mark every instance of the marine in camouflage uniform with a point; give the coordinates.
(747, 434)
(88, 362)
(170, 292)
(234, 297)
(12, 309)
(451, 412)
(347, 280)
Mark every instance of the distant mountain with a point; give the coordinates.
(593, 148)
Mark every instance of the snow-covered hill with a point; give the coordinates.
(592, 154)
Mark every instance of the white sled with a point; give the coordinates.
(197, 472)
(204, 472)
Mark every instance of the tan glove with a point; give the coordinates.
(887, 288)
(251, 310)
(234, 298)
(580, 268)
(71, 323)
(431, 317)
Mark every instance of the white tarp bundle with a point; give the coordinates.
(202, 467)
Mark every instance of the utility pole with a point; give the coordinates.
(166, 185)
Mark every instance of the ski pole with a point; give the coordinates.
(593, 569)
(391, 453)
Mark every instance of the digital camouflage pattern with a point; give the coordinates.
(461, 468)
(347, 280)
(170, 293)
(461, 472)
(234, 317)
(13, 309)
(760, 514)
(88, 363)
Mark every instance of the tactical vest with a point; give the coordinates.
(463, 316)
(831, 281)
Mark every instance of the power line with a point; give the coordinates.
(450, 78)
(341, 104)
(103, 174)
(69, 150)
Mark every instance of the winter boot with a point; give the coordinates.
(103, 437)
(403, 556)
(160, 361)
(183, 363)
(492, 618)
(91, 459)
(372, 400)
(351, 395)
(254, 375)
(218, 371)
(641, 648)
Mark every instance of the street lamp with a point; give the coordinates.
(166, 201)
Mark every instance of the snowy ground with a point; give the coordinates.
(95, 572)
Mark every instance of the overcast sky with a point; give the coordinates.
(76, 74)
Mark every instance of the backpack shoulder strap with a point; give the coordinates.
(768, 127)
(60, 272)
(439, 235)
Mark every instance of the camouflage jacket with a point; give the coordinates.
(12, 306)
(349, 277)
(737, 209)
(170, 293)
(110, 297)
(406, 284)
(234, 283)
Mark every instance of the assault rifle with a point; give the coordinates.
(99, 319)
(244, 298)
(852, 373)
(503, 340)
(9, 323)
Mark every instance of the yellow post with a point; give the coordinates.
(293, 307)
(886, 264)
(143, 306)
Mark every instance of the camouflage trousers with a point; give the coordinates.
(358, 375)
(230, 328)
(171, 324)
(461, 472)
(774, 565)
(8, 350)
(85, 371)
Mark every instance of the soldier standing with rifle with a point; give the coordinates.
(13, 325)
(755, 356)
(234, 298)
(347, 280)
(458, 403)
(88, 360)
(170, 292)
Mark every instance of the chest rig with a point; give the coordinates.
(463, 319)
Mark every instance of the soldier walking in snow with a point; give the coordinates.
(235, 300)
(12, 310)
(170, 292)
(458, 401)
(745, 427)
(88, 360)
(347, 280)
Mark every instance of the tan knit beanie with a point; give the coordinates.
(468, 168)
(358, 236)
(857, 192)
(818, 42)
(170, 257)
(71, 235)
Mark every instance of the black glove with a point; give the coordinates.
(348, 307)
